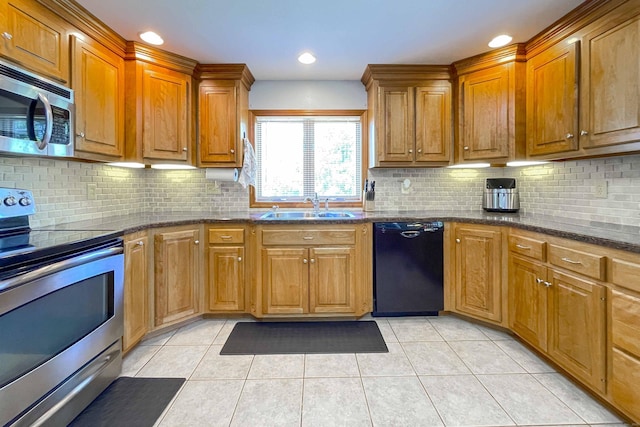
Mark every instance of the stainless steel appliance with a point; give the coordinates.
(61, 318)
(501, 195)
(408, 268)
(36, 115)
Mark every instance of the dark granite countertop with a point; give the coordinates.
(614, 236)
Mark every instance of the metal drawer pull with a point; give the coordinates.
(569, 136)
(523, 247)
(195, 242)
(308, 237)
(457, 240)
(313, 260)
(570, 261)
(225, 237)
(140, 243)
(547, 284)
(539, 280)
(239, 258)
(7, 36)
(304, 261)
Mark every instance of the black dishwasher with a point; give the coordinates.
(407, 268)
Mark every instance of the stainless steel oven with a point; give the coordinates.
(61, 324)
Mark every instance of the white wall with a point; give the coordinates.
(308, 95)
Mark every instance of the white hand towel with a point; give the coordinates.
(248, 173)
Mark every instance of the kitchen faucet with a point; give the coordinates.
(315, 202)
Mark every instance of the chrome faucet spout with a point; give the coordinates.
(315, 202)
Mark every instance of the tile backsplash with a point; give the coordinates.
(68, 191)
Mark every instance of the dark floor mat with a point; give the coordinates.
(130, 402)
(304, 337)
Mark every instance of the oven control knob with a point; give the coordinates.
(10, 201)
(25, 201)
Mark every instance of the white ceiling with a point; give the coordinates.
(345, 35)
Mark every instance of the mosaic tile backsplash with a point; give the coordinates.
(67, 191)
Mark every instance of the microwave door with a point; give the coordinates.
(15, 129)
(40, 121)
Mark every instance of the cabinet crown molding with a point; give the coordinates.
(512, 53)
(163, 58)
(225, 72)
(405, 73)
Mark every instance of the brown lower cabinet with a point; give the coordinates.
(136, 290)
(225, 276)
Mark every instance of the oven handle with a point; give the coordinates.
(59, 266)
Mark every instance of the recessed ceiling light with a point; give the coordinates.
(151, 38)
(501, 40)
(307, 58)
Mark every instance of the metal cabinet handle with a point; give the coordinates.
(466, 148)
(419, 150)
(523, 247)
(570, 261)
(81, 134)
(225, 237)
(195, 242)
(584, 133)
(410, 151)
(313, 260)
(539, 280)
(232, 151)
(184, 148)
(547, 284)
(7, 36)
(569, 136)
(457, 240)
(307, 237)
(239, 259)
(304, 261)
(140, 243)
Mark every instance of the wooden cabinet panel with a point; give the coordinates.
(176, 275)
(625, 322)
(585, 263)
(485, 98)
(135, 290)
(625, 273)
(624, 384)
(397, 124)
(226, 278)
(309, 236)
(35, 38)
(166, 105)
(332, 285)
(610, 87)
(226, 235)
(478, 272)
(577, 327)
(528, 300)
(433, 123)
(218, 131)
(98, 82)
(285, 280)
(552, 100)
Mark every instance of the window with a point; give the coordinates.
(300, 155)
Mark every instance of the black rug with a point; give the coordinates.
(304, 337)
(135, 402)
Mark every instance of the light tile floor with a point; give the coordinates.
(439, 371)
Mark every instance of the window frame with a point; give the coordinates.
(254, 114)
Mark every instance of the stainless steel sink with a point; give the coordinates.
(284, 215)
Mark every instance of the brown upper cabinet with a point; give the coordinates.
(409, 115)
(583, 92)
(97, 77)
(35, 38)
(223, 102)
(490, 109)
(158, 106)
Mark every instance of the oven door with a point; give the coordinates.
(60, 328)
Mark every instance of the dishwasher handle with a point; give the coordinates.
(410, 234)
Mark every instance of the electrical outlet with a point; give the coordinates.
(91, 191)
(600, 190)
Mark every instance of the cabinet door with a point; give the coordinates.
(478, 272)
(610, 88)
(35, 37)
(135, 291)
(285, 280)
(397, 128)
(433, 123)
(165, 114)
(485, 115)
(625, 380)
(577, 328)
(528, 300)
(98, 82)
(226, 278)
(218, 122)
(176, 272)
(552, 100)
(331, 280)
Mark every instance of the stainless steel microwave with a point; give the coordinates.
(36, 115)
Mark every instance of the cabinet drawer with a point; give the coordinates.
(625, 322)
(225, 235)
(527, 246)
(624, 386)
(625, 274)
(585, 263)
(308, 237)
